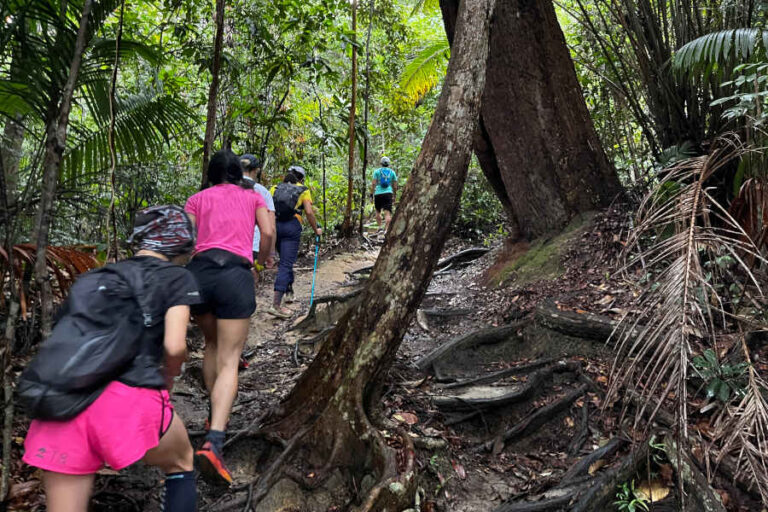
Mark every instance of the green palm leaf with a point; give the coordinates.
(423, 73)
(144, 122)
(425, 6)
(720, 51)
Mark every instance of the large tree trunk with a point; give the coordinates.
(346, 227)
(537, 144)
(55, 143)
(336, 393)
(213, 90)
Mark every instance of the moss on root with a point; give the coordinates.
(522, 263)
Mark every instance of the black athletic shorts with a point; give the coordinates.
(383, 202)
(226, 285)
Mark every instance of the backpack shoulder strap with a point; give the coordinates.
(135, 276)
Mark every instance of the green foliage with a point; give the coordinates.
(628, 499)
(718, 52)
(724, 381)
(481, 214)
(425, 70)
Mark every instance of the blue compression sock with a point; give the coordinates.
(180, 492)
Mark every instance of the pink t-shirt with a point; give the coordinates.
(226, 215)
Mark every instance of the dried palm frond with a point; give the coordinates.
(743, 430)
(681, 310)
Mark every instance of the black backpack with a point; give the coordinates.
(95, 340)
(285, 197)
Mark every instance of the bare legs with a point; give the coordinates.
(67, 493)
(224, 341)
(387, 218)
(71, 493)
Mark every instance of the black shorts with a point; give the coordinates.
(383, 202)
(227, 288)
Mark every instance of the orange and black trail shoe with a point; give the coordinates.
(211, 465)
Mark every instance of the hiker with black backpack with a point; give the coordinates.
(225, 215)
(384, 190)
(291, 199)
(98, 390)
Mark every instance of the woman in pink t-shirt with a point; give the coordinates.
(225, 215)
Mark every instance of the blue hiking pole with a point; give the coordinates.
(314, 270)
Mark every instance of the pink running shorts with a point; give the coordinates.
(117, 429)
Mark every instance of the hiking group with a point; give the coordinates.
(121, 334)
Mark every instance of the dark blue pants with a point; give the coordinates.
(288, 239)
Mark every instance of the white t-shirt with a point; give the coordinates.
(262, 190)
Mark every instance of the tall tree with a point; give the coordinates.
(57, 121)
(347, 228)
(213, 90)
(366, 109)
(330, 407)
(537, 144)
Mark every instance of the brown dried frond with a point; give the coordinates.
(681, 226)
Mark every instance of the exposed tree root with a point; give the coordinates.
(535, 420)
(580, 438)
(600, 495)
(482, 337)
(551, 501)
(580, 325)
(497, 397)
(445, 313)
(460, 258)
(695, 484)
(579, 469)
(337, 304)
(501, 374)
(463, 257)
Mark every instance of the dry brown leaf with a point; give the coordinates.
(406, 417)
(595, 466)
(654, 491)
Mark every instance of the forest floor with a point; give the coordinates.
(549, 402)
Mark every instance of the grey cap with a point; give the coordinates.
(385, 161)
(298, 170)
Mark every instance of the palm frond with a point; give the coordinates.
(744, 431)
(718, 51)
(144, 122)
(680, 313)
(425, 6)
(423, 72)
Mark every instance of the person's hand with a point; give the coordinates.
(270, 263)
(255, 275)
(318, 231)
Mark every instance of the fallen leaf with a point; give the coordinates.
(595, 466)
(459, 469)
(569, 422)
(107, 472)
(406, 417)
(606, 300)
(654, 491)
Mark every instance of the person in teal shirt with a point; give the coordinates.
(384, 189)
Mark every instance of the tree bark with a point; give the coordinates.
(55, 143)
(213, 91)
(336, 393)
(346, 227)
(536, 144)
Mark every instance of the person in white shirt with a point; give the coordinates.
(252, 177)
